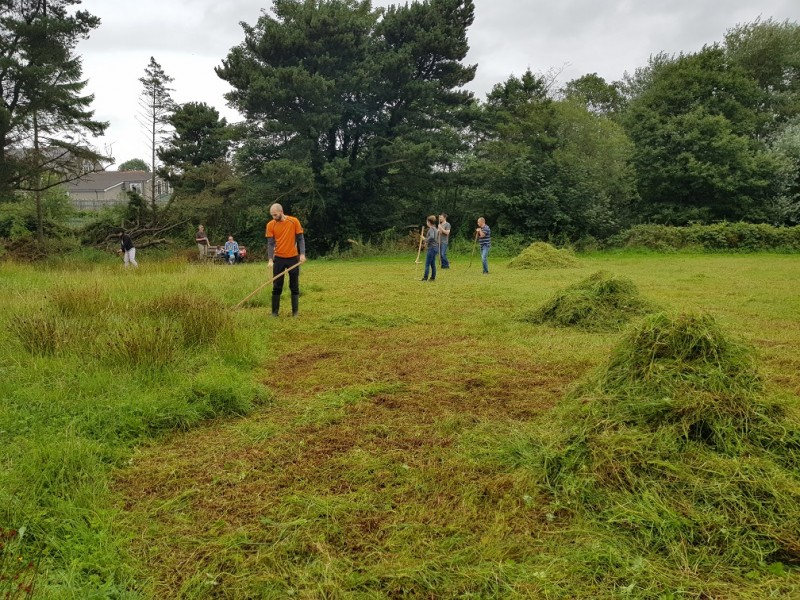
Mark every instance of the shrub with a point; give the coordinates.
(746, 237)
(601, 302)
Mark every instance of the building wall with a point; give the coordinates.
(117, 195)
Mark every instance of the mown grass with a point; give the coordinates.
(601, 302)
(379, 446)
(541, 255)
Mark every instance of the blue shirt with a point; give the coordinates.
(231, 247)
(486, 240)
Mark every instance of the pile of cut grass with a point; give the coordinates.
(541, 255)
(601, 302)
(677, 446)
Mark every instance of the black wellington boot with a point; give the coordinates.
(295, 303)
(276, 305)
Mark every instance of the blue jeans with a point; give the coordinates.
(485, 258)
(430, 263)
(443, 255)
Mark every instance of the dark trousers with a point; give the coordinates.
(279, 265)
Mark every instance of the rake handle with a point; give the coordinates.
(266, 283)
(421, 238)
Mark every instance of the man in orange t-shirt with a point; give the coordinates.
(286, 248)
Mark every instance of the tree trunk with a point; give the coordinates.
(153, 165)
(37, 194)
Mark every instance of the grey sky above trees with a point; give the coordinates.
(191, 37)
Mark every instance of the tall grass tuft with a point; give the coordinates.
(541, 255)
(676, 445)
(601, 302)
(201, 319)
(141, 343)
(78, 302)
(39, 334)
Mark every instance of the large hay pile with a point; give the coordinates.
(601, 302)
(677, 446)
(540, 255)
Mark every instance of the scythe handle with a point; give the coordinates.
(266, 283)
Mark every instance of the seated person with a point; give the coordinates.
(231, 250)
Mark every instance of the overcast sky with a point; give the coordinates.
(190, 37)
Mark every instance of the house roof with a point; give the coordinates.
(106, 180)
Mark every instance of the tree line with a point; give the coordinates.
(357, 120)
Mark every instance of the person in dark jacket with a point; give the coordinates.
(127, 249)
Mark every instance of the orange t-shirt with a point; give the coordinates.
(285, 233)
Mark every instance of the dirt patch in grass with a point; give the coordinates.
(371, 474)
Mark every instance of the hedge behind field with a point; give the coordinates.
(742, 237)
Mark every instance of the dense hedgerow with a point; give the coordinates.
(746, 237)
(677, 444)
(601, 302)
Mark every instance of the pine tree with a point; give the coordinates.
(156, 106)
(44, 119)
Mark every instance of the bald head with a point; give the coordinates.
(276, 211)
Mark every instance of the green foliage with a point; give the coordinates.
(769, 52)
(140, 343)
(18, 219)
(379, 96)
(695, 125)
(42, 80)
(785, 147)
(200, 136)
(742, 237)
(17, 575)
(39, 334)
(601, 302)
(195, 163)
(134, 164)
(549, 169)
(595, 94)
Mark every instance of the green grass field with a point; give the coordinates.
(156, 443)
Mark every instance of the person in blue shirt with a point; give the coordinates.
(444, 240)
(485, 242)
(231, 250)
